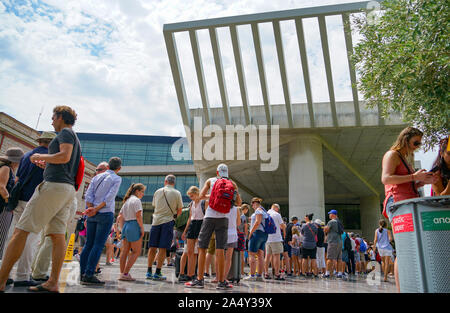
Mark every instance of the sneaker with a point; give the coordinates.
(149, 275)
(184, 278)
(158, 277)
(338, 275)
(206, 275)
(195, 284)
(126, 277)
(279, 277)
(250, 277)
(91, 280)
(326, 276)
(26, 283)
(224, 285)
(259, 277)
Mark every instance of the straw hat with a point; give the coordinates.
(13, 155)
(46, 136)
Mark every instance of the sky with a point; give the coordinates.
(107, 59)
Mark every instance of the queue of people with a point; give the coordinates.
(48, 177)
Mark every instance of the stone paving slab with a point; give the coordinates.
(69, 283)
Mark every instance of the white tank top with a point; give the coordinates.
(196, 211)
(210, 212)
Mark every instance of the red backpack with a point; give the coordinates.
(222, 195)
(80, 174)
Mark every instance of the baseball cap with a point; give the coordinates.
(222, 169)
(333, 212)
(294, 218)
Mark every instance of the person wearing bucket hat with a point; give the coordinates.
(8, 164)
(320, 256)
(29, 176)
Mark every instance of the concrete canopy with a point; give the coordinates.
(347, 142)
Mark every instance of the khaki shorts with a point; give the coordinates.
(274, 247)
(49, 208)
(334, 251)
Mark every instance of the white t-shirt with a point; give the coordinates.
(232, 227)
(211, 213)
(278, 221)
(130, 208)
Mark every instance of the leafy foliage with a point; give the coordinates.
(403, 63)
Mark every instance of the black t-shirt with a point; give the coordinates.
(288, 233)
(64, 173)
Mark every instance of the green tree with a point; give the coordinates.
(403, 63)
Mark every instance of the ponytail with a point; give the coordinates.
(133, 188)
(382, 224)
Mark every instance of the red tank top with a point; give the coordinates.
(400, 191)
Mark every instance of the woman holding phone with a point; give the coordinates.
(398, 175)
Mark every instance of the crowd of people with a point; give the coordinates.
(38, 188)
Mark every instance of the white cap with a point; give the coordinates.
(222, 169)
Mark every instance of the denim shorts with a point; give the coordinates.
(131, 231)
(161, 236)
(389, 204)
(258, 241)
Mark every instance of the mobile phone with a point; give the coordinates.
(434, 169)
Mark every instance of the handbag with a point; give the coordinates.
(16, 191)
(315, 235)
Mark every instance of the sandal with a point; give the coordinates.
(40, 288)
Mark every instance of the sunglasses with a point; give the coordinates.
(99, 169)
(417, 143)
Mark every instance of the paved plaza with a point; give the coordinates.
(69, 283)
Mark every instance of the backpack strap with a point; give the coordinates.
(203, 205)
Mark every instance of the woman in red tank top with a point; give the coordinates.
(400, 179)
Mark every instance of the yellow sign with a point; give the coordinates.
(69, 250)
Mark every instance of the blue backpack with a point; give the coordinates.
(362, 246)
(269, 225)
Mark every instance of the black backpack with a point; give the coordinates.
(340, 227)
(80, 223)
(320, 237)
(347, 243)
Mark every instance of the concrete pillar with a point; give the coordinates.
(370, 215)
(202, 178)
(306, 188)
